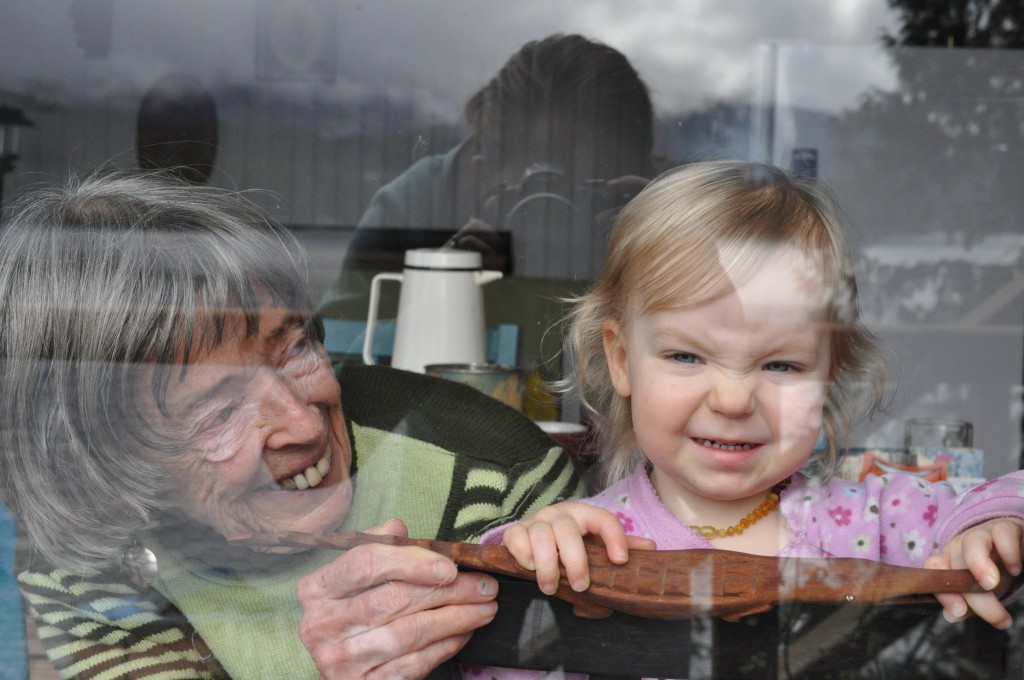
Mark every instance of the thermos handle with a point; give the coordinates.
(371, 315)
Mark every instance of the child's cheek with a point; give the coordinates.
(801, 413)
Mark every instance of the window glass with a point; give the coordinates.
(371, 128)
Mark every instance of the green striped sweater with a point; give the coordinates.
(444, 458)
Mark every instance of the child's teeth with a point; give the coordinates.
(728, 447)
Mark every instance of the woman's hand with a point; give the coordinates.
(982, 548)
(382, 611)
(556, 533)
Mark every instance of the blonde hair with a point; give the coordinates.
(684, 241)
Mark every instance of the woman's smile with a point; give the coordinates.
(308, 478)
(272, 450)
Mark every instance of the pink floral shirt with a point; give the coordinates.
(897, 519)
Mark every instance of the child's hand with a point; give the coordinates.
(980, 549)
(557, 531)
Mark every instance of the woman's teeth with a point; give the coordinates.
(727, 447)
(310, 477)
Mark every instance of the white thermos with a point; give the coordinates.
(440, 309)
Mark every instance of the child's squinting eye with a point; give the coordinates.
(685, 358)
(779, 367)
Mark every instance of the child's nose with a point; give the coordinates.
(732, 395)
(290, 419)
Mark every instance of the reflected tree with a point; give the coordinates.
(959, 23)
(940, 155)
(943, 151)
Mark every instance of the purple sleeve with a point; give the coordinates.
(495, 673)
(900, 519)
(495, 535)
(1000, 497)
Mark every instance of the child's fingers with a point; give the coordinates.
(954, 607)
(606, 527)
(572, 553)
(1006, 539)
(957, 606)
(640, 543)
(990, 609)
(517, 539)
(976, 547)
(545, 556)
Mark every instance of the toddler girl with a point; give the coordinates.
(720, 339)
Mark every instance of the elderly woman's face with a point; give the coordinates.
(270, 449)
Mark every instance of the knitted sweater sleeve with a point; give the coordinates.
(505, 467)
(103, 627)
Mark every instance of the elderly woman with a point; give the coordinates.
(163, 387)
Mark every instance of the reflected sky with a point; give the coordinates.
(691, 52)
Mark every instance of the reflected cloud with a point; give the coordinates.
(434, 54)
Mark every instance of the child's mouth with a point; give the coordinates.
(711, 443)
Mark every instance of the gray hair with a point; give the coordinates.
(683, 241)
(100, 280)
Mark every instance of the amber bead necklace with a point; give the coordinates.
(751, 518)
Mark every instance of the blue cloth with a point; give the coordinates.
(13, 664)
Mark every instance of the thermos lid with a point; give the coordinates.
(443, 258)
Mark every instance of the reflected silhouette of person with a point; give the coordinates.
(561, 137)
(176, 128)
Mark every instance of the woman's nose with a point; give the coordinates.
(289, 417)
(732, 395)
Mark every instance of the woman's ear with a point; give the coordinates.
(615, 356)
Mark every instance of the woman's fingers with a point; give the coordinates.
(368, 566)
(418, 665)
(392, 600)
(387, 611)
(409, 647)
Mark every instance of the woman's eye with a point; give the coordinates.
(222, 416)
(779, 367)
(300, 347)
(685, 358)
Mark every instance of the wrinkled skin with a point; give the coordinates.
(264, 409)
